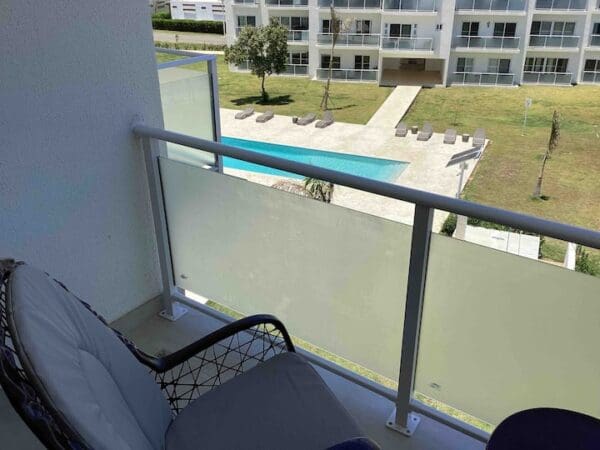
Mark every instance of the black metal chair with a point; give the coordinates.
(546, 429)
(79, 384)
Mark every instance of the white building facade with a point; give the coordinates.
(435, 42)
(198, 10)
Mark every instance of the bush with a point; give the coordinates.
(585, 264)
(195, 26)
(449, 225)
(187, 46)
(161, 15)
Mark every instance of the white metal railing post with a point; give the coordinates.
(403, 419)
(152, 149)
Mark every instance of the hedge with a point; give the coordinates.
(188, 46)
(196, 26)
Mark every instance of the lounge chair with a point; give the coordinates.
(450, 136)
(265, 117)
(305, 120)
(401, 129)
(326, 120)
(479, 137)
(244, 114)
(426, 132)
(77, 383)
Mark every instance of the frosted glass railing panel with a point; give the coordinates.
(502, 333)
(336, 277)
(187, 108)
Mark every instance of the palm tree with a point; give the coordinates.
(552, 145)
(318, 189)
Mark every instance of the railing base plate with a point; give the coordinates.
(178, 311)
(409, 430)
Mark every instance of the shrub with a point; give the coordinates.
(161, 15)
(188, 46)
(195, 26)
(585, 264)
(449, 225)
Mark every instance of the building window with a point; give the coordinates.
(327, 28)
(546, 65)
(464, 65)
(298, 58)
(552, 28)
(325, 62)
(400, 30)
(361, 62)
(470, 29)
(505, 29)
(496, 65)
(363, 26)
(246, 21)
(596, 29)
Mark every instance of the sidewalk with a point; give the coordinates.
(395, 107)
(190, 38)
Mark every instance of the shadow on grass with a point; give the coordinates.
(257, 100)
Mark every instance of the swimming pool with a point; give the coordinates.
(364, 166)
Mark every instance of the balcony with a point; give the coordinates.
(349, 39)
(246, 2)
(561, 78)
(286, 3)
(296, 70)
(483, 79)
(560, 5)
(487, 42)
(351, 4)
(591, 77)
(407, 44)
(490, 5)
(354, 75)
(403, 6)
(297, 36)
(543, 41)
(595, 40)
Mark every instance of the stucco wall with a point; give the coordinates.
(73, 191)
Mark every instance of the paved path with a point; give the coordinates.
(190, 38)
(395, 106)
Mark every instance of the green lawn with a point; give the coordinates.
(295, 96)
(506, 175)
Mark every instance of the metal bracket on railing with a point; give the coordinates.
(176, 311)
(411, 424)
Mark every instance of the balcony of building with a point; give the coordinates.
(349, 40)
(351, 75)
(472, 7)
(560, 6)
(483, 79)
(410, 6)
(554, 42)
(594, 40)
(113, 181)
(286, 4)
(252, 3)
(355, 5)
(487, 43)
(559, 78)
(407, 44)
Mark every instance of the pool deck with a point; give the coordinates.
(427, 169)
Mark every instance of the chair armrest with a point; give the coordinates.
(219, 356)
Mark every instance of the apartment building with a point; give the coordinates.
(435, 42)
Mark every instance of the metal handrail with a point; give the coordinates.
(551, 40)
(570, 233)
(397, 43)
(482, 75)
(540, 75)
(350, 39)
(322, 74)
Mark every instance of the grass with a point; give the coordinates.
(506, 175)
(296, 96)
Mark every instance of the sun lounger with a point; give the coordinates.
(425, 132)
(402, 129)
(305, 120)
(326, 120)
(265, 117)
(479, 137)
(244, 114)
(450, 136)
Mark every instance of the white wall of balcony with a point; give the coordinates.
(68, 117)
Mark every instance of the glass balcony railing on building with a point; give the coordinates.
(490, 5)
(595, 40)
(286, 3)
(407, 43)
(350, 39)
(351, 4)
(491, 42)
(348, 74)
(561, 41)
(297, 35)
(410, 5)
(483, 79)
(547, 77)
(566, 5)
(296, 69)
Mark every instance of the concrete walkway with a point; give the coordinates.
(189, 38)
(395, 106)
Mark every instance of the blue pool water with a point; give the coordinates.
(375, 168)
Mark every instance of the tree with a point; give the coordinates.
(265, 49)
(318, 189)
(552, 145)
(336, 26)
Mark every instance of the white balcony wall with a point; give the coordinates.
(488, 30)
(349, 18)
(73, 190)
